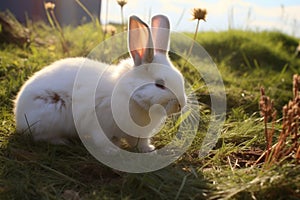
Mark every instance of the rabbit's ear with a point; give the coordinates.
(160, 26)
(140, 41)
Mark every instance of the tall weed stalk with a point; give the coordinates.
(288, 140)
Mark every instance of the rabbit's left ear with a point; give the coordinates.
(160, 26)
(140, 41)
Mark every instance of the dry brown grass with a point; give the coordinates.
(287, 144)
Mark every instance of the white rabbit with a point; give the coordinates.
(43, 106)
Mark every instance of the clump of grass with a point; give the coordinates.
(11, 31)
(280, 182)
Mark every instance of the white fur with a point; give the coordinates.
(44, 104)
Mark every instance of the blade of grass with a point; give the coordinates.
(86, 10)
(181, 186)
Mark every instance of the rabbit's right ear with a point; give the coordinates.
(140, 41)
(160, 26)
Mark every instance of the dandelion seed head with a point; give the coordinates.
(199, 14)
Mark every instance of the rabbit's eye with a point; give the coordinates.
(160, 83)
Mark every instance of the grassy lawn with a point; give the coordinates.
(246, 61)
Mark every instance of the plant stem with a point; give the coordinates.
(106, 20)
(122, 18)
(62, 36)
(192, 45)
(267, 138)
(196, 31)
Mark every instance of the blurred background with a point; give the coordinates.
(68, 12)
(283, 15)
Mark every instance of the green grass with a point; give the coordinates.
(246, 60)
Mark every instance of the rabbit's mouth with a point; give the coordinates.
(172, 107)
(140, 110)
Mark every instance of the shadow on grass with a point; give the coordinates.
(37, 170)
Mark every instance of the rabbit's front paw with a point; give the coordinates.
(146, 148)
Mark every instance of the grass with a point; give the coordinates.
(246, 60)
